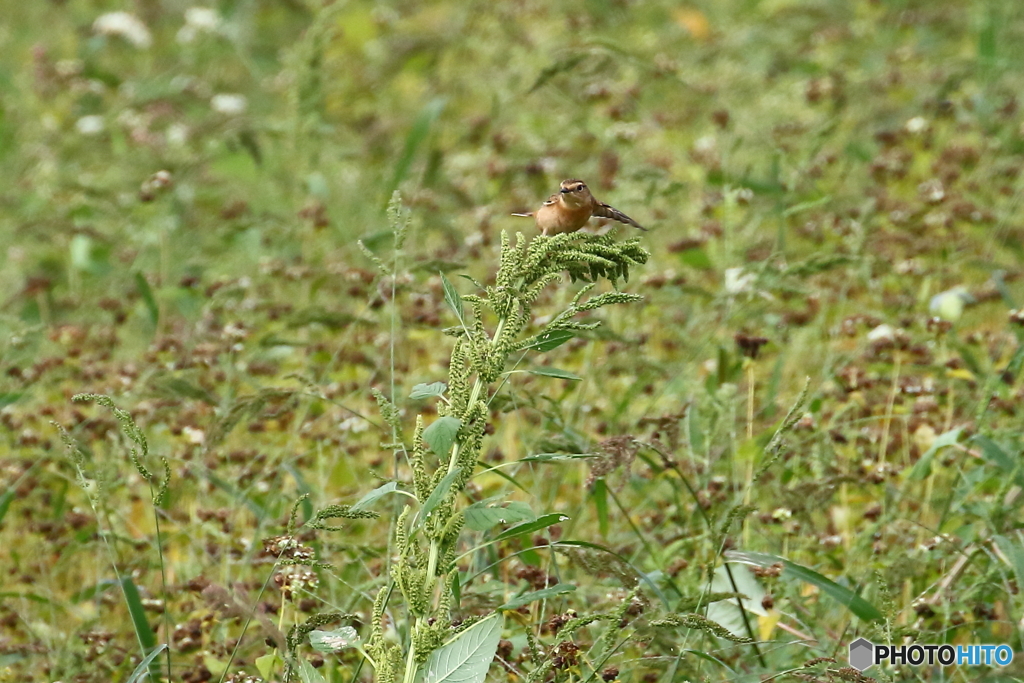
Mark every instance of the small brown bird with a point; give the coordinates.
(571, 208)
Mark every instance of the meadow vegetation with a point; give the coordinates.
(287, 394)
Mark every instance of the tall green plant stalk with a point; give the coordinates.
(443, 455)
(159, 489)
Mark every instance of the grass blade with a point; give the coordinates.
(143, 668)
(856, 604)
(420, 131)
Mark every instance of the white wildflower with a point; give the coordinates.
(90, 125)
(737, 281)
(882, 333)
(193, 435)
(123, 25)
(918, 124)
(198, 20)
(202, 18)
(177, 134)
(229, 104)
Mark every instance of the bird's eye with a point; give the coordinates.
(579, 188)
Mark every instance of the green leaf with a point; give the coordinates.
(466, 657)
(641, 575)
(549, 72)
(428, 390)
(803, 206)
(923, 467)
(179, 386)
(549, 340)
(556, 457)
(9, 397)
(267, 663)
(1013, 368)
(143, 631)
(696, 258)
(555, 372)
(727, 613)
(456, 589)
(533, 596)
(1013, 553)
(440, 435)
(599, 495)
(419, 132)
(330, 642)
(307, 674)
(453, 299)
(710, 658)
(374, 495)
(542, 522)
(856, 604)
(693, 426)
(143, 668)
(146, 292)
(437, 495)
(5, 502)
(482, 516)
(994, 453)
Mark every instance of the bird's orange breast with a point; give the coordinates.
(556, 218)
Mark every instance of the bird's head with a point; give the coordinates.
(575, 193)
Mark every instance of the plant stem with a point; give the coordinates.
(474, 396)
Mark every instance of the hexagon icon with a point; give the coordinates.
(862, 654)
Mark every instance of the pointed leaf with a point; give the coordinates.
(693, 426)
(542, 522)
(267, 664)
(440, 435)
(437, 495)
(307, 674)
(548, 340)
(923, 467)
(599, 494)
(143, 631)
(533, 596)
(456, 589)
(856, 604)
(428, 390)
(646, 578)
(453, 299)
(5, 502)
(146, 292)
(372, 497)
(417, 134)
(555, 372)
(329, 642)
(1012, 552)
(466, 657)
(556, 457)
(996, 455)
(483, 516)
(143, 668)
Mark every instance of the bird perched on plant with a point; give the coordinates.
(571, 207)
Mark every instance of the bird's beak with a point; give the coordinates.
(565, 190)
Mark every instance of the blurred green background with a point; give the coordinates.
(181, 192)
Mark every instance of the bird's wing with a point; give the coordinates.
(553, 199)
(605, 211)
